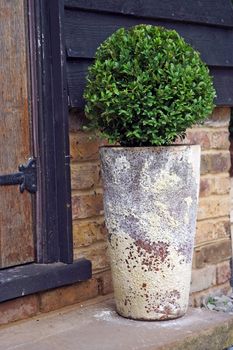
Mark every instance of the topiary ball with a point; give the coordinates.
(146, 87)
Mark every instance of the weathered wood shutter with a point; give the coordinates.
(16, 223)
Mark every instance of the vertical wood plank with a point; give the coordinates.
(16, 233)
(54, 220)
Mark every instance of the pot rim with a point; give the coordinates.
(172, 146)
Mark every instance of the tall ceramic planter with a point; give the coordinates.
(150, 203)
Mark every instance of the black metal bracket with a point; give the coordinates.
(26, 177)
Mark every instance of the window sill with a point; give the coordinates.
(32, 278)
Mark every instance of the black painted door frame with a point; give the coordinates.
(51, 138)
(54, 266)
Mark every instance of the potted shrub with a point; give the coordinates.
(144, 89)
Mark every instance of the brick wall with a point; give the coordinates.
(211, 262)
(211, 269)
(89, 233)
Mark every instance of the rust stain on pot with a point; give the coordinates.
(157, 250)
(168, 304)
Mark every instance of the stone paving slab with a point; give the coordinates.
(96, 326)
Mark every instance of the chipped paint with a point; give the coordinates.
(150, 203)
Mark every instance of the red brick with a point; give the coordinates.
(223, 272)
(205, 187)
(215, 162)
(198, 137)
(75, 293)
(220, 139)
(105, 282)
(221, 114)
(88, 232)
(85, 176)
(208, 138)
(203, 278)
(212, 253)
(214, 185)
(18, 309)
(84, 146)
(97, 253)
(209, 230)
(213, 207)
(222, 185)
(86, 206)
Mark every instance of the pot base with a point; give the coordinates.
(156, 318)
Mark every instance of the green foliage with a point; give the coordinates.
(146, 87)
(211, 301)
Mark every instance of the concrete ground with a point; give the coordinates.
(96, 326)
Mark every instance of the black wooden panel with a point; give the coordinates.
(223, 81)
(84, 32)
(33, 278)
(76, 75)
(77, 70)
(218, 12)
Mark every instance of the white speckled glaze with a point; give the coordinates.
(150, 203)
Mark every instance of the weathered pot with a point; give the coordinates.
(150, 203)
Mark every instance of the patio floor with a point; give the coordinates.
(96, 326)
